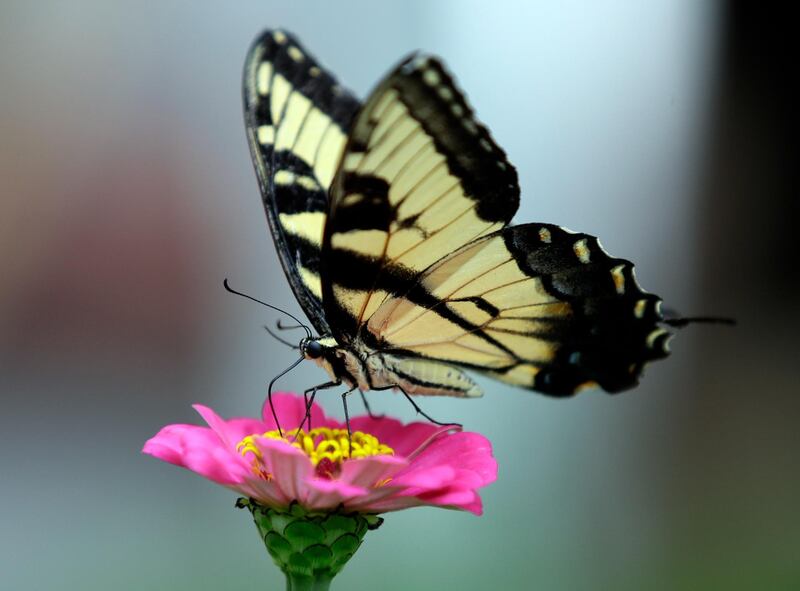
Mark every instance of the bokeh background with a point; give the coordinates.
(127, 195)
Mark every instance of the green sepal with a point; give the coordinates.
(309, 547)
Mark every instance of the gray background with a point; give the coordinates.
(128, 195)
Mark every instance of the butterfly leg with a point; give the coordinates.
(269, 392)
(417, 408)
(347, 414)
(309, 400)
(369, 410)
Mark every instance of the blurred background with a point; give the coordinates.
(127, 195)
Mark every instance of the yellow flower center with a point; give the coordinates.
(326, 448)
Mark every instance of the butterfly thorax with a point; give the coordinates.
(339, 362)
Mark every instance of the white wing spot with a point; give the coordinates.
(266, 135)
(336, 89)
(430, 77)
(581, 250)
(284, 177)
(295, 53)
(314, 71)
(457, 109)
(264, 78)
(653, 336)
(280, 37)
(544, 235)
(485, 144)
(445, 93)
(471, 126)
(352, 199)
(420, 62)
(619, 278)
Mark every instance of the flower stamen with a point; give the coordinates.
(326, 448)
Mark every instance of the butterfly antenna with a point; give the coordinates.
(269, 392)
(282, 326)
(680, 322)
(279, 339)
(244, 295)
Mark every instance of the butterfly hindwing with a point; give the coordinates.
(298, 119)
(419, 178)
(533, 305)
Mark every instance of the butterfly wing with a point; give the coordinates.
(419, 178)
(415, 257)
(533, 305)
(297, 119)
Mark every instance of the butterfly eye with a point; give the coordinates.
(313, 349)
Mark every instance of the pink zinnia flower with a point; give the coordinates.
(384, 466)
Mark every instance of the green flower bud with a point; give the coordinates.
(309, 547)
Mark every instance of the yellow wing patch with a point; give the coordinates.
(479, 309)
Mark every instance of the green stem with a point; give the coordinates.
(295, 582)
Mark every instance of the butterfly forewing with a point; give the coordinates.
(420, 177)
(298, 119)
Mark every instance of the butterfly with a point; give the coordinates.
(392, 217)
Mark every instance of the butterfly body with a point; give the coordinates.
(392, 217)
(362, 367)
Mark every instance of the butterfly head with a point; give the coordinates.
(316, 348)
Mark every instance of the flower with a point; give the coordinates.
(383, 466)
(314, 490)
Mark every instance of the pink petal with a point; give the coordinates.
(455, 497)
(264, 491)
(328, 494)
(366, 472)
(391, 503)
(403, 487)
(290, 468)
(475, 507)
(424, 478)
(232, 431)
(469, 453)
(199, 449)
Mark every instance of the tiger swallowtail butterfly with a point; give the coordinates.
(392, 217)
